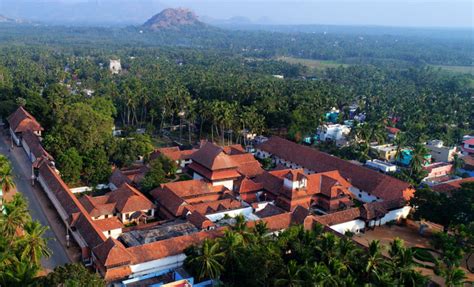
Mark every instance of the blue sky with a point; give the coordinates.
(417, 13)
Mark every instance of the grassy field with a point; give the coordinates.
(457, 69)
(312, 64)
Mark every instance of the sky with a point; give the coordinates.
(412, 13)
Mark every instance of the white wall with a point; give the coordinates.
(15, 138)
(157, 265)
(227, 183)
(353, 226)
(232, 213)
(362, 195)
(114, 233)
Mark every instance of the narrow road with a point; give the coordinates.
(22, 177)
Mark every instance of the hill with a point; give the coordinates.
(173, 19)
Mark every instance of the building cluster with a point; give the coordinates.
(126, 235)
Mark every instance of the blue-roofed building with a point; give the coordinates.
(406, 156)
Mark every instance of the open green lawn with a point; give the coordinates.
(457, 69)
(312, 64)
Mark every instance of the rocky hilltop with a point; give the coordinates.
(173, 19)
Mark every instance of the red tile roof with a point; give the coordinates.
(247, 185)
(215, 174)
(125, 199)
(452, 185)
(35, 146)
(339, 217)
(108, 223)
(118, 178)
(392, 130)
(269, 210)
(215, 206)
(21, 121)
(233, 149)
(199, 220)
(169, 247)
(112, 253)
(247, 164)
(128, 199)
(213, 157)
(378, 184)
(173, 153)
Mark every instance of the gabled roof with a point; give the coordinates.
(21, 121)
(173, 153)
(118, 178)
(247, 185)
(213, 157)
(199, 220)
(169, 247)
(247, 165)
(108, 223)
(378, 184)
(125, 199)
(112, 253)
(128, 199)
(452, 185)
(35, 146)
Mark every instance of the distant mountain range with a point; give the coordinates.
(4, 19)
(173, 19)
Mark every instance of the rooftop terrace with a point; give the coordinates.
(164, 231)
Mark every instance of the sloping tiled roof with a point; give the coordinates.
(128, 199)
(171, 246)
(213, 157)
(169, 200)
(452, 185)
(269, 210)
(112, 253)
(233, 149)
(339, 217)
(378, 184)
(118, 178)
(247, 165)
(190, 187)
(248, 185)
(98, 205)
(215, 206)
(199, 220)
(21, 121)
(108, 223)
(34, 144)
(216, 174)
(173, 153)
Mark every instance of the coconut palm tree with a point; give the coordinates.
(290, 277)
(33, 245)
(453, 277)
(15, 215)
(6, 177)
(205, 261)
(231, 245)
(374, 261)
(20, 273)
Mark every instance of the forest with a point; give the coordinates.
(213, 83)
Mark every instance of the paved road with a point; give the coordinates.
(22, 175)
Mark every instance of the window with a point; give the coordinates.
(109, 232)
(127, 216)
